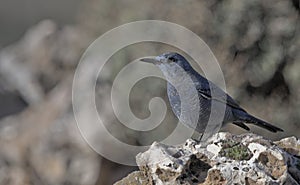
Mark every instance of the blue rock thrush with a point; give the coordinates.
(178, 71)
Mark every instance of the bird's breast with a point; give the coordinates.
(188, 106)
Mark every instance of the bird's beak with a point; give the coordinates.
(150, 60)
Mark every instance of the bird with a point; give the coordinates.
(178, 73)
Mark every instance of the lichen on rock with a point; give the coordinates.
(224, 159)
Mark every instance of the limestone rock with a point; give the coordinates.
(224, 159)
(136, 177)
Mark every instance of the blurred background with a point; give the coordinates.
(257, 44)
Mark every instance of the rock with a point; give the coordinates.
(224, 159)
(136, 177)
(290, 145)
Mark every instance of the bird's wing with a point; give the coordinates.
(218, 94)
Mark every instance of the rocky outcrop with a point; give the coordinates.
(224, 159)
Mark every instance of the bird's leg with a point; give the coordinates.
(201, 136)
(197, 138)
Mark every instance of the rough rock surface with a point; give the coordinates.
(224, 159)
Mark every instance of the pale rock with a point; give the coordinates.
(224, 159)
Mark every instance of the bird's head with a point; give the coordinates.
(167, 61)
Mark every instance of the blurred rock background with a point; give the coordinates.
(257, 44)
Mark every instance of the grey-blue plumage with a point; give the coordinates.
(178, 73)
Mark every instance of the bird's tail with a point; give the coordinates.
(258, 122)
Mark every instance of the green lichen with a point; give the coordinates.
(235, 150)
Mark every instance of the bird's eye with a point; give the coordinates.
(172, 59)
